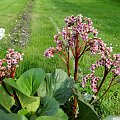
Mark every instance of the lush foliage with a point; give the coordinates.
(36, 95)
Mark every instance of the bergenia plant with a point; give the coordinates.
(78, 37)
(9, 63)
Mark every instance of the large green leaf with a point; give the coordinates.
(30, 103)
(49, 106)
(11, 116)
(112, 117)
(59, 116)
(23, 112)
(28, 82)
(57, 85)
(48, 118)
(6, 100)
(86, 111)
(33, 117)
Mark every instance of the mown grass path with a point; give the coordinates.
(9, 11)
(20, 34)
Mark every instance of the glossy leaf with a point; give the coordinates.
(22, 112)
(86, 111)
(11, 116)
(59, 116)
(28, 82)
(30, 103)
(49, 106)
(57, 85)
(5, 99)
(48, 118)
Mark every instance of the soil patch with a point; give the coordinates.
(21, 32)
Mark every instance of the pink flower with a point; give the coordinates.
(11, 60)
(49, 52)
(116, 57)
(10, 50)
(116, 71)
(108, 63)
(90, 22)
(76, 28)
(93, 67)
(93, 81)
(1, 63)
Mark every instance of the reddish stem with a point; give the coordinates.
(73, 52)
(105, 75)
(63, 59)
(76, 70)
(84, 50)
(75, 78)
(76, 58)
(107, 88)
(68, 62)
(14, 93)
(13, 70)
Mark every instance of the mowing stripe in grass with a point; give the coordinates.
(20, 34)
(9, 13)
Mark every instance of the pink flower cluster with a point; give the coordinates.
(76, 28)
(50, 52)
(111, 63)
(97, 46)
(2, 68)
(81, 25)
(13, 58)
(116, 64)
(93, 80)
(9, 63)
(108, 61)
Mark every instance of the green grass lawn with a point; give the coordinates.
(9, 13)
(105, 15)
(48, 16)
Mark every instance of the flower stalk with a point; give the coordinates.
(110, 85)
(74, 38)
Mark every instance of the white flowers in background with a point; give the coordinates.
(2, 33)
